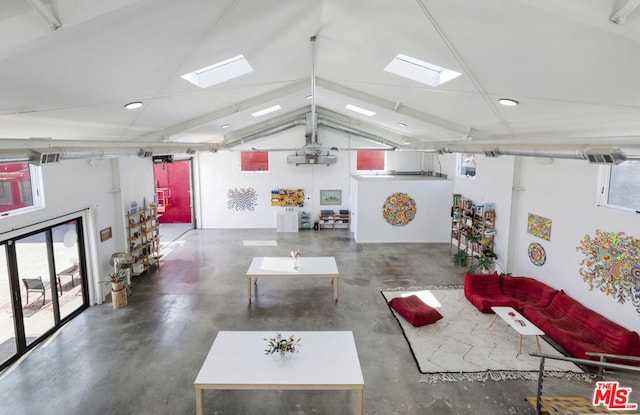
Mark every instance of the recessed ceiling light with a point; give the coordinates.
(420, 71)
(266, 111)
(401, 124)
(360, 110)
(508, 102)
(219, 72)
(308, 97)
(224, 126)
(133, 105)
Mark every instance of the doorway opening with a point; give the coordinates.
(173, 181)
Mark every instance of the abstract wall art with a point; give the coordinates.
(243, 199)
(537, 254)
(539, 226)
(399, 209)
(612, 265)
(287, 197)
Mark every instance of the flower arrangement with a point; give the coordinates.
(282, 345)
(295, 255)
(116, 276)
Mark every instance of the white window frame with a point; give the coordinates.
(460, 164)
(602, 195)
(37, 193)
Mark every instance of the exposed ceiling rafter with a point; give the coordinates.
(620, 16)
(45, 13)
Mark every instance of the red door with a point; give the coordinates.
(173, 191)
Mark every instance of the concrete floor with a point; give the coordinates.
(143, 359)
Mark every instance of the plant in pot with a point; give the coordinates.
(484, 263)
(461, 259)
(116, 278)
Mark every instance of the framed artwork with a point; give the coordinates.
(330, 197)
(105, 234)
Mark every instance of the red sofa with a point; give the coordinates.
(570, 324)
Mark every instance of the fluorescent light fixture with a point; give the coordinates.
(420, 71)
(401, 124)
(360, 110)
(266, 111)
(133, 105)
(219, 72)
(508, 102)
(308, 97)
(224, 126)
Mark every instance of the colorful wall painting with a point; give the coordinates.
(287, 197)
(537, 254)
(399, 209)
(243, 199)
(612, 265)
(539, 226)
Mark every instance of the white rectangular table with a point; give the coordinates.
(326, 360)
(282, 267)
(520, 324)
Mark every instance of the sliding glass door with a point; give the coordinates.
(42, 285)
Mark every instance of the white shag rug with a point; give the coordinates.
(463, 346)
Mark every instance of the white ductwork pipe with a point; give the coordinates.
(266, 133)
(351, 131)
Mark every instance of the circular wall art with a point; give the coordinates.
(399, 209)
(537, 254)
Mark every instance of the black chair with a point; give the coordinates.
(36, 285)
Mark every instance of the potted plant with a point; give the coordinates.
(485, 262)
(461, 259)
(116, 278)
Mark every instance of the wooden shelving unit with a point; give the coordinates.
(143, 238)
(334, 220)
(472, 226)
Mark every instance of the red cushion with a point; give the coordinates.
(415, 311)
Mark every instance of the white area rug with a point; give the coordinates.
(463, 346)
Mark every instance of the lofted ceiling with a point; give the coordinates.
(68, 67)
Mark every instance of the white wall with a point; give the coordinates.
(219, 172)
(91, 187)
(432, 196)
(563, 191)
(493, 183)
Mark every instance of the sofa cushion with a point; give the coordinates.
(484, 292)
(414, 310)
(527, 291)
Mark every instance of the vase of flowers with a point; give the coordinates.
(295, 255)
(282, 345)
(117, 279)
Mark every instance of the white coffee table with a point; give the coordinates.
(282, 267)
(520, 324)
(327, 360)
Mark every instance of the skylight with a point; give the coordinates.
(420, 71)
(219, 72)
(360, 110)
(266, 111)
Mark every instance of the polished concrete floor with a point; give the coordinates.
(143, 359)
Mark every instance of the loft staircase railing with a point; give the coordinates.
(602, 367)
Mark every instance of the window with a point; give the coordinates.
(370, 160)
(466, 166)
(619, 186)
(16, 187)
(254, 161)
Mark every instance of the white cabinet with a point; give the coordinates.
(287, 222)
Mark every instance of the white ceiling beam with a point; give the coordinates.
(45, 13)
(392, 106)
(223, 112)
(624, 11)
